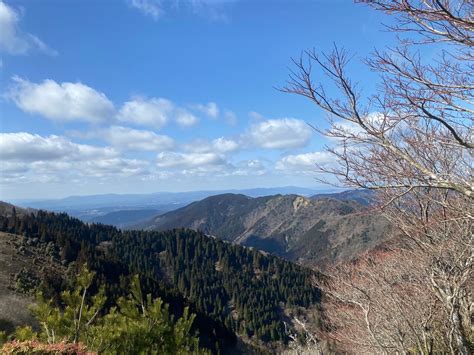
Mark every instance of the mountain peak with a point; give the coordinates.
(313, 231)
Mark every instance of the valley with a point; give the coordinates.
(231, 258)
(242, 298)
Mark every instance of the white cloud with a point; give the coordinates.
(210, 109)
(188, 160)
(155, 112)
(224, 145)
(114, 167)
(305, 162)
(173, 165)
(185, 118)
(67, 102)
(26, 147)
(374, 120)
(279, 134)
(31, 157)
(61, 102)
(210, 9)
(213, 111)
(224, 169)
(12, 39)
(219, 145)
(250, 168)
(150, 8)
(124, 138)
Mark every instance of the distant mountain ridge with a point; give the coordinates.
(112, 208)
(312, 231)
(153, 199)
(362, 196)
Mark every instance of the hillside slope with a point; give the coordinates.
(232, 289)
(23, 264)
(310, 231)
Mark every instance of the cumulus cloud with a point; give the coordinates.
(224, 145)
(279, 134)
(213, 111)
(374, 120)
(250, 168)
(12, 39)
(61, 101)
(210, 109)
(124, 138)
(67, 102)
(224, 169)
(31, 157)
(219, 145)
(200, 158)
(188, 160)
(185, 118)
(24, 146)
(304, 162)
(154, 112)
(115, 167)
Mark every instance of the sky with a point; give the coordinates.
(140, 96)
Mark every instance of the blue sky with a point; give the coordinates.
(137, 96)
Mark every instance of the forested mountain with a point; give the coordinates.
(123, 210)
(232, 289)
(311, 231)
(364, 197)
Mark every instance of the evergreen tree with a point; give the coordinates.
(135, 325)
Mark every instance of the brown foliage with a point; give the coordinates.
(412, 142)
(35, 347)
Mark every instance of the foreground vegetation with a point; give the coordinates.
(135, 324)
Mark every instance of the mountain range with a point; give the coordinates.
(312, 231)
(123, 210)
(230, 269)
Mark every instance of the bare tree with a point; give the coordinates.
(412, 142)
(379, 305)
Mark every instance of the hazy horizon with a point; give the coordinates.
(323, 189)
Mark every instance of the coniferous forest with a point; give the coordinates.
(231, 289)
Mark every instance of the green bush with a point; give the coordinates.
(137, 324)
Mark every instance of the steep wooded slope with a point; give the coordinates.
(232, 289)
(310, 231)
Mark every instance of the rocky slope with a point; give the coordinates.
(310, 231)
